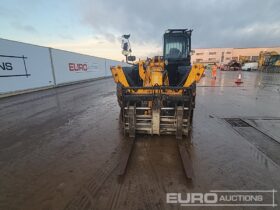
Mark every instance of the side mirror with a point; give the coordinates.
(131, 58)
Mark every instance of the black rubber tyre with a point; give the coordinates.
(119, 94)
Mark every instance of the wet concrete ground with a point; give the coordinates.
(60, 148)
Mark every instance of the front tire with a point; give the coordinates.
(119, 95)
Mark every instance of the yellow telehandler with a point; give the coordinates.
(157, 95)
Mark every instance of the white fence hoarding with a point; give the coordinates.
(73, 67)
(27, 67)
(110, 63)
(23, 67)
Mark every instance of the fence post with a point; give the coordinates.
(52, 66)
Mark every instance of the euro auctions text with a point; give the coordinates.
(224, 198)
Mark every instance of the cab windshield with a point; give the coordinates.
(176, 47)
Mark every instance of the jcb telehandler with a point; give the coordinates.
(157, 95)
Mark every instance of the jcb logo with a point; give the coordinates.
(6, 66)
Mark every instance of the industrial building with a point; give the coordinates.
(224, 55)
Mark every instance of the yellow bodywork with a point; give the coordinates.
(157, 95)
(264, 57)
(195, 75)
(154, 75)
(244, 59)
(119, 76)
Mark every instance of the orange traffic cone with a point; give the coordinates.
(239, 79)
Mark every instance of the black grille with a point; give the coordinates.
(237, 122)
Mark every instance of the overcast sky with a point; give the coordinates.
(95, 26)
